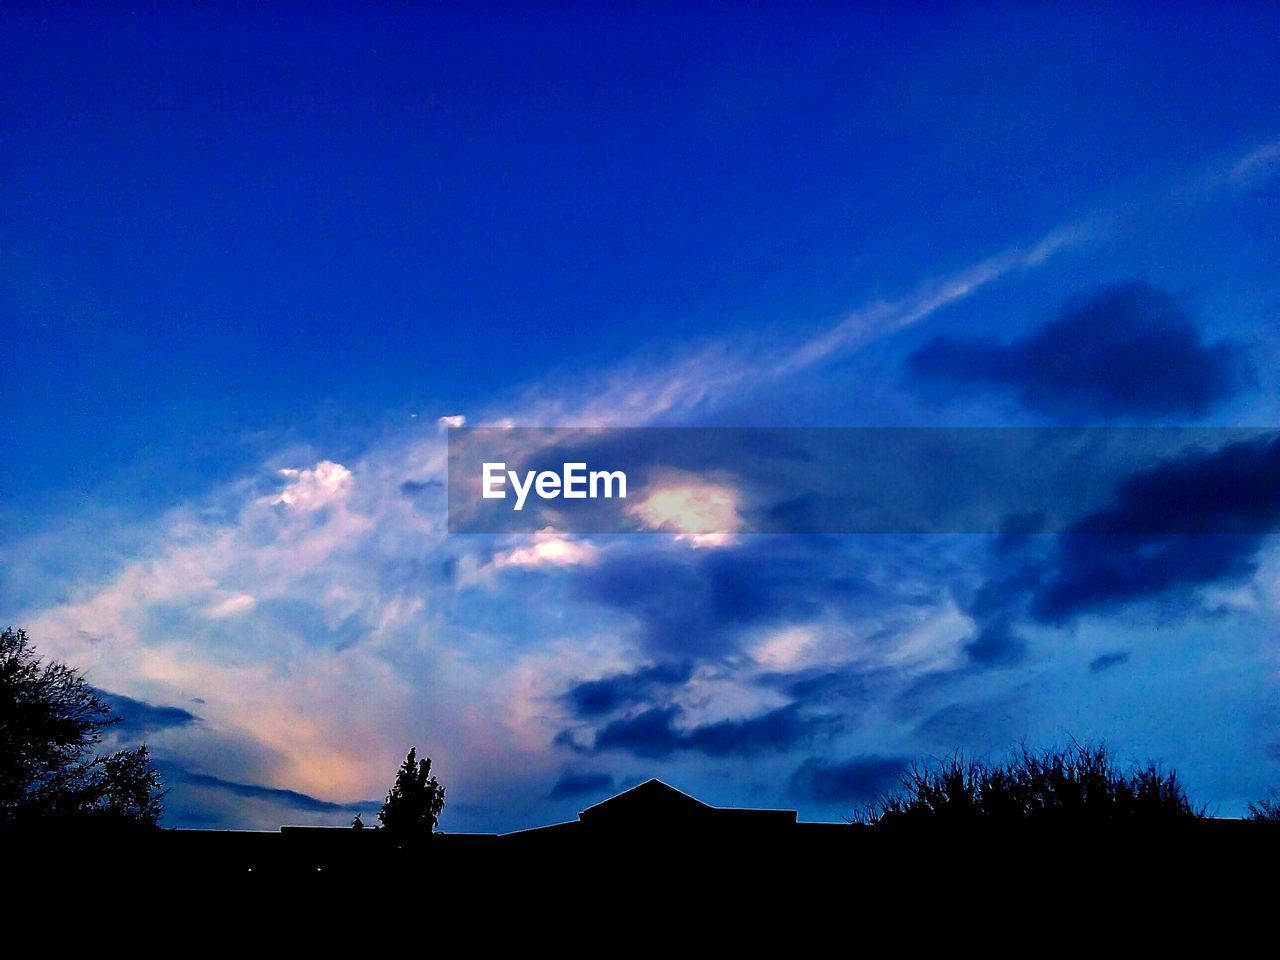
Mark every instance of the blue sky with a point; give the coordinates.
(252, 254)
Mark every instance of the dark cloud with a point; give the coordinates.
(175, 774)
(1013, 570)
(694, 604)
(654, 733)
(818, 685)
(138, 718)
(1192, 520)
(853, 781)
(1128, 351)
(1232, 489)
(593, 698)
(996, 644)
(1106, 661)
(1099, 573)
(649, 734)
(684, 606)
(411, 488)
(566, 740)
(579, 784)
(1235, 489)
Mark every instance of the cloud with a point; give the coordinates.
(454, 421)
(1193, 520)
(715, 373)
(1012, 571)
(268, 676)
(859, 780)
(293, 799)
(886, 317)
(701, 512)
(232, 606)
(1235, 488)
(548, 549)
(581, 784)
(1256, 164)
(654, 733)
(785, 648)
(708, 604)
(975, 723)
(411, 488)
(685, 608)
(996, 644)
(1127, 351)
(850, 685)
(139, 719)
(593, 698)
(1097, 574)
(650, 734)
(1106, 661)
(315, 488)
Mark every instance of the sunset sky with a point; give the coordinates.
(254, 259)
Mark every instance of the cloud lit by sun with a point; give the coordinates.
(701, 512)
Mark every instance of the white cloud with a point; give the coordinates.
(699, 511)
(548, 549)
(315, 488)
(232, 606)
(784, 649)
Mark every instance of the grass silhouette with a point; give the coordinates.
(1268, 809)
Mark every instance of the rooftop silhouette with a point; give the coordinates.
(658, 807)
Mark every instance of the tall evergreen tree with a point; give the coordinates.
(414, 802)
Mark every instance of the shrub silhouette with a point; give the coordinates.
(1078, 783)
(50, 721)
(414, 802)
(1268, 809)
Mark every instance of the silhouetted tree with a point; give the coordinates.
(1080, 783)
(414, 802)
(50, 721)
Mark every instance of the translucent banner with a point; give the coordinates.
(704, 481)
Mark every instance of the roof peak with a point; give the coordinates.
(651, 788)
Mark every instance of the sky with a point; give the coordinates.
(255, 258)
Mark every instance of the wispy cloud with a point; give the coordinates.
(887, 317)
(715, 373)
(1256, 164)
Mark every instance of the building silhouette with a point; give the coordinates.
(653, 836)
